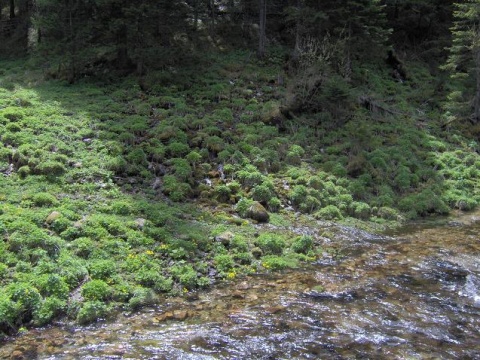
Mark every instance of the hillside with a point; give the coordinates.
(114, 192)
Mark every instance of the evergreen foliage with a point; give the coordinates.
(464, 62)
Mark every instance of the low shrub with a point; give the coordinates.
(50, 168)
(302, 244)
(387, 213)
(262, 193)
(52, 285)
(186, 275)
(360, 210)
(270, 244)
(272, 262)
(152, 278)
(44, 199)
(92, 311)
(222, 193)
(49, 309)
(274, 204)
(142, 297)
(329, 212)
(243, 207)
(175, 189)
(96, 290)
(224, 263)
(243, 258)
(101, 269)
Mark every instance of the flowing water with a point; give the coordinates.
(413, 294)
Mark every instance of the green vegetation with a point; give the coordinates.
(121, 186)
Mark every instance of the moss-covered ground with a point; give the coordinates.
(113, 193)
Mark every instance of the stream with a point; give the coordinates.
(409, 294)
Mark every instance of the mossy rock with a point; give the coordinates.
(257, 212)
(225, 238)
(54, 215)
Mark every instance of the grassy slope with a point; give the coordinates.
(93, 206)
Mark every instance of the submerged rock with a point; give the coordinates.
(179, 315)
(339, 296)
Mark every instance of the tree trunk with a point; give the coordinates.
(195, 15)
(71, 76)
(476, 101)
(122, 60)
(12, 9)
(298, 32)
(263, 23)
(212, 18)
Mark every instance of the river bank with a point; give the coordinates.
(412, 294)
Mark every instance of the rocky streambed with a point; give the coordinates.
(413, 293)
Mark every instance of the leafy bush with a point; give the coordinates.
(3, 270)
(250, 176)
(422, 204)
(49, 309)
(298, 195)
(222, 193)
(270, 244)
(387, 213)
(243, 206)
(122, 207)
(101, 269)
(310, 204)
(272, 262)
(96, 290)
(137, 156)
(50, 168)
(262, 193)
(44, 199)
(294, 155)
(52, 285)
(193, 157)
(224, 263)
(10, 314)
(360, 210)
(329, 212)
(178, 150)
(302, 244)
(92, 311)
(152, 278)
(176, 190)
(186, 275)
(13, 127)
(243, 258)
(72, 270)
(239, 244)
(18, 304)
(274, 204)
(142, 297)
